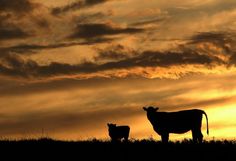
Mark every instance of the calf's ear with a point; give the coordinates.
(144, 108)
(157, 108)
(108, 124)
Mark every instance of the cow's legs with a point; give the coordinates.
(165, 138)
(197, 136)
(198, 131)
(194, 135)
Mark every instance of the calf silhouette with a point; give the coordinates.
(177, 122)
(118, 132)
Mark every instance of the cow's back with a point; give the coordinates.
(185, 114)
(180, 121)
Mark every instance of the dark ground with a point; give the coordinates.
(146, 150)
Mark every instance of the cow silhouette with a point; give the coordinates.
(117, 133)
(177, 122)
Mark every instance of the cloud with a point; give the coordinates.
(91, 31)
(118, 60)
(16, 6)
(91, 17)
(147, 22)
(9, 29)
(20, 19)
(12, 33)
(114, 53)
(155, 59)
(223, 41)
(79, 4)
(34, 48)
(41, 22)
(30, 48)
(233, 59)
(219, 38)
(14, 66)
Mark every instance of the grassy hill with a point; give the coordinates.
(146, 150)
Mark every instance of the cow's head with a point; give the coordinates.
(111, 125)
(150, 109)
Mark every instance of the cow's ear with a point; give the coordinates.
(157, 108)
(108, 124)
(144, 108)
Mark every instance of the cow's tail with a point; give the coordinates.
(206, 121)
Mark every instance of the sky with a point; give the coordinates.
(69, 67)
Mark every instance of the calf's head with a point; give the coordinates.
(111, 125)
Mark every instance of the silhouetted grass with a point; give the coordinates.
(93, 149)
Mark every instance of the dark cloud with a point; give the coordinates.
(114, 57)
(91, 17)
(224, 40)
(147, 22)
(18, 21)
(17, 6)
(41, 22)
(9, 30)
(4, 17)
(14, 66)
(12, 33)
(232, 60)
(220, 39)
(79, 4)
(158, 59)
(208, 37)
(114, 53)
(33, 48)
(29, 48)
(96, 40)
(90, 31)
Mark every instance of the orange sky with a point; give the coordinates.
(71, 66)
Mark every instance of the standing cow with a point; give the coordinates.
(118, 132)
(177, 122)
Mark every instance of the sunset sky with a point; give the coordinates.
(69, 67)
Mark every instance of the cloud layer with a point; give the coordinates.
(66, 66)
(77, 5)
(14, 66)
(17, 6)
(91, 31)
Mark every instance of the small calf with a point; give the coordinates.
(118, 132)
